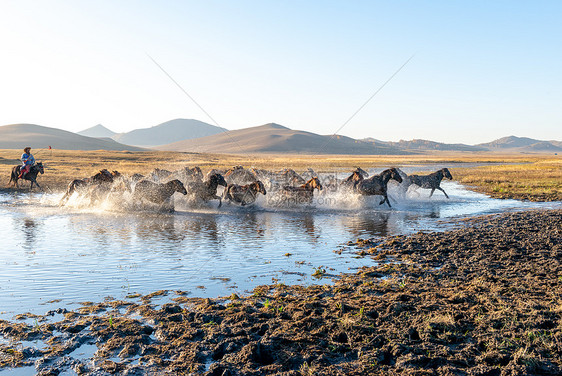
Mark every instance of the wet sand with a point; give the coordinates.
(484, 299)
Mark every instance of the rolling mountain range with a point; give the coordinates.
(268, 138)
(523, 144)
(275, 138)
(17, 136)
(165, 133)
(426, 145)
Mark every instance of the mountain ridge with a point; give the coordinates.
(275, 138)
(17, 136)
(168, 132)
(98, 131)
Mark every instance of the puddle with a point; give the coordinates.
(84, 352)
(68, 372)
(21, 371)
(37, 344)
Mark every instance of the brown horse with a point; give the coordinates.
(377, 184)
(157, 193)
(431, 181)
(243, 194)
(31, 176)
(207, 190)
(303, 193)
(356, 176)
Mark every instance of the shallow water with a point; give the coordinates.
(53, 257)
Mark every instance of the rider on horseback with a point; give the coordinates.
(28, 160)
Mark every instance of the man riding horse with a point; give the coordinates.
(27, 160)
(28, 170)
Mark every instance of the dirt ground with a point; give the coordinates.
(484, 299)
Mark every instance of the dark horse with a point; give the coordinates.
(377, 184)
(431, 181)
(35, 170)
(207, 190)
(102, 177)
(158, 193)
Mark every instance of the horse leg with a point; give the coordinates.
(441, 189)
(385, 199)
(432, 190)
(220, 201)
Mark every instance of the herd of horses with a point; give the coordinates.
(242, 186)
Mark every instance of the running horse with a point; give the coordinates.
(207, 189)
(377, 184)
(103, 177)
(243, 194)
(158, 193)
(356, 176)
(35, 170)
(431, 181)
(303, 193)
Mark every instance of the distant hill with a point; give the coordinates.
(427, 145)
(165, 133)
(522, 144)
(275, 138)
(97, 131)
(17, 136)
(509, 144)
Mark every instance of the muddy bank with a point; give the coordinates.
(484, 299)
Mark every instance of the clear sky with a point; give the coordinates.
(481, 69)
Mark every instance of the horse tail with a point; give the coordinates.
(14, 177)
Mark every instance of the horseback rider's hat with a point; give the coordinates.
(27, 149)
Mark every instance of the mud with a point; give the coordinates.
(484, 299)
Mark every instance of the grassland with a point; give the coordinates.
(531, 177)
(539, 180)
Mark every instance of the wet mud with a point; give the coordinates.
(484, 299)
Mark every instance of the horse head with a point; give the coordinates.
(196, 172)
(39, 166)
(177, 186)
(217, 179)
(447, 174)
(315, 183)
(354, 177)
(394, 174)
(361, 172)
(259, 187)
(233, 170)
(103, 176)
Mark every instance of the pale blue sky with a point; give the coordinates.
(481, 70)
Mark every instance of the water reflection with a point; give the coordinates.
(157, 228)
(30, 229)
(202, 228)
(368, 225)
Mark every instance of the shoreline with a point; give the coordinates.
(478, 299)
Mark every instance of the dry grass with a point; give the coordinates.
(537, 181)
(538, 178)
